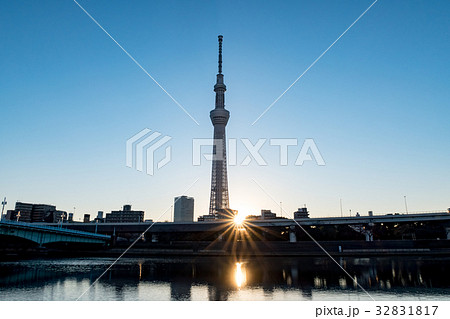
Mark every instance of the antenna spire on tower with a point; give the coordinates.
(220, 53)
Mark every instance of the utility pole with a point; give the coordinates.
(406, 204)
(3, 207)
(340, 202)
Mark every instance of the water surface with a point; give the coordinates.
(275, 278)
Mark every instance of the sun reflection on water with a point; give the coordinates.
(240, 275)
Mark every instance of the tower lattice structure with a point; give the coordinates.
(219, 118)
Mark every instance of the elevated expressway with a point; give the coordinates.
(361, 222)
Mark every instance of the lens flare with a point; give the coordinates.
(240, 275)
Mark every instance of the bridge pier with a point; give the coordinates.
(292, 235)
(447, 230)
(369, 235)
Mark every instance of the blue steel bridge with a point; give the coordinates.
(43, 235)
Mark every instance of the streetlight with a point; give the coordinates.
(281, 209)
(63, 215)
(406, 204)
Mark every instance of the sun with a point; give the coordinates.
(239, 219)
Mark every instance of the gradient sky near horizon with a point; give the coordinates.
(377, 104)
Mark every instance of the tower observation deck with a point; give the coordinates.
(219, 118)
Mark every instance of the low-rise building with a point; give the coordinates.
(126, 215)
(99, 218)
(301, 213)
(36, 213)
(267, 214)
(220, 214)
(57, 217)
(205, 218)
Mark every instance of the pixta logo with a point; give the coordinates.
(141, 148)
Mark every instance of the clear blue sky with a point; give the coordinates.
(377, 104)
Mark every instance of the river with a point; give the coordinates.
(207, 278)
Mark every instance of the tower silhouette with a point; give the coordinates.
(219, 118)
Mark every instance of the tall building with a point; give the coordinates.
(183, 209)
(219, 118)
(125, 216)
